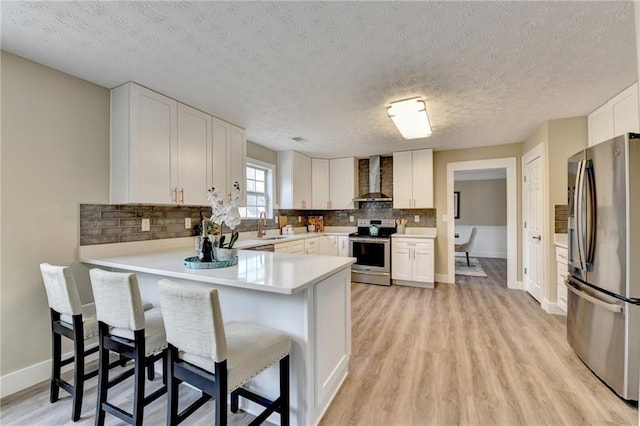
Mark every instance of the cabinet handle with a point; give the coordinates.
(182, 196)
(174, 198)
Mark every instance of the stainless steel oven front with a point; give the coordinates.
(373, 264)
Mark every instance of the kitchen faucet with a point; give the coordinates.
(263, 218)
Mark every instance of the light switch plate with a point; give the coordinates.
(187, 223)
(351, 219)
(146, 225)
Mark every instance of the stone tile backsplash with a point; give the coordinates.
(118, 223)
(561, 215)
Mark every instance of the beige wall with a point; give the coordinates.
(482, 202)
(55, 155)
(561, 139)
(440, 160)
(261, 153)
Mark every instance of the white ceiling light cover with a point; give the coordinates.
(410, 117)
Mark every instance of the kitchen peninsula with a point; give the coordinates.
(307, 297)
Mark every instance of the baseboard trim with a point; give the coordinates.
(490, 254)
(442, 278)
(551, 308)
(33, 375)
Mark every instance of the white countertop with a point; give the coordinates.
(248, 241)
(282, 273)
(417, 233)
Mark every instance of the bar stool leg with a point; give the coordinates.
(103, 376)
(56, 365)
(221, 393)
(78, 377)
(139, 377)
(172, 387)
(284, 391)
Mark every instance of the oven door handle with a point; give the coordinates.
(369, 240)
(366, 272)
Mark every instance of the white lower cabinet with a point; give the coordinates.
(561, 263)
(334, 245)
(412, 262)
(328, 245)
(311, 246)
(290, 247)
(343, 245)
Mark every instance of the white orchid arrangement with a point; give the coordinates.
(225, 210)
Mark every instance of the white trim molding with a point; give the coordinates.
(510, 165)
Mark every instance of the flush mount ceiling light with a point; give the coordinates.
(410, 117)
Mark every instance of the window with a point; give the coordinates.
(259, 190)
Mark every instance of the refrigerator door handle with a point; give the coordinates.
(592, 215)
(612, 307)
(579, 213)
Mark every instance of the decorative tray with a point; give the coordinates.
(194, 263)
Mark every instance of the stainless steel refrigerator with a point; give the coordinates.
(603, 316)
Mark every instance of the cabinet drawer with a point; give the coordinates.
(423, 243)
(310, 243)
(296, 246)
(561, 255)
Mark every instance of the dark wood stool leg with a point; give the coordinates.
(56, 365)
(284, 391)
(103, 374)
(221, 393)
(172, 387)
(234, 401)
(151, 372)
(78, 377)
(165, 362)
(138, 393)
(468, 263)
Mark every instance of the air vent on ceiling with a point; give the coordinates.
(298, 139)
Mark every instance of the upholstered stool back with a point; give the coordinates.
(118, 300)
(193, 320)
(61, 289)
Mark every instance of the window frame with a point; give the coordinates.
(270, 188)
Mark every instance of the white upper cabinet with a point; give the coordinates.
(144, 138)
(237, 161)
(618, 116)
(343, 182)
(194, 144)
(334, 183)
(413, 179)
(165, 152)
(320, 184)
(219, 147)
(294, 180)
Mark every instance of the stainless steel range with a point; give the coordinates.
(371, 246)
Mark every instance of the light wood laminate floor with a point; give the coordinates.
(473, 353)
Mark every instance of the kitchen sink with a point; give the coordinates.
(278, 237)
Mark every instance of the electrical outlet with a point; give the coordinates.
(187, 223)
(351, 219)
(299, 219)
(416, 218)
(146, 225)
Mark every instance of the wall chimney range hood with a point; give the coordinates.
(374, 193)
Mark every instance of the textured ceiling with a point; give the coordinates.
(491, 72)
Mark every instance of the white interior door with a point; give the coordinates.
(533, 226)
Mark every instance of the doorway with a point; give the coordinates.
(509, 165)
(480, 215)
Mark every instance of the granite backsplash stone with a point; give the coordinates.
(118, 223)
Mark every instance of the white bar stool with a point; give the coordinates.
(77, 322)
(218, 358)
(124, 327)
